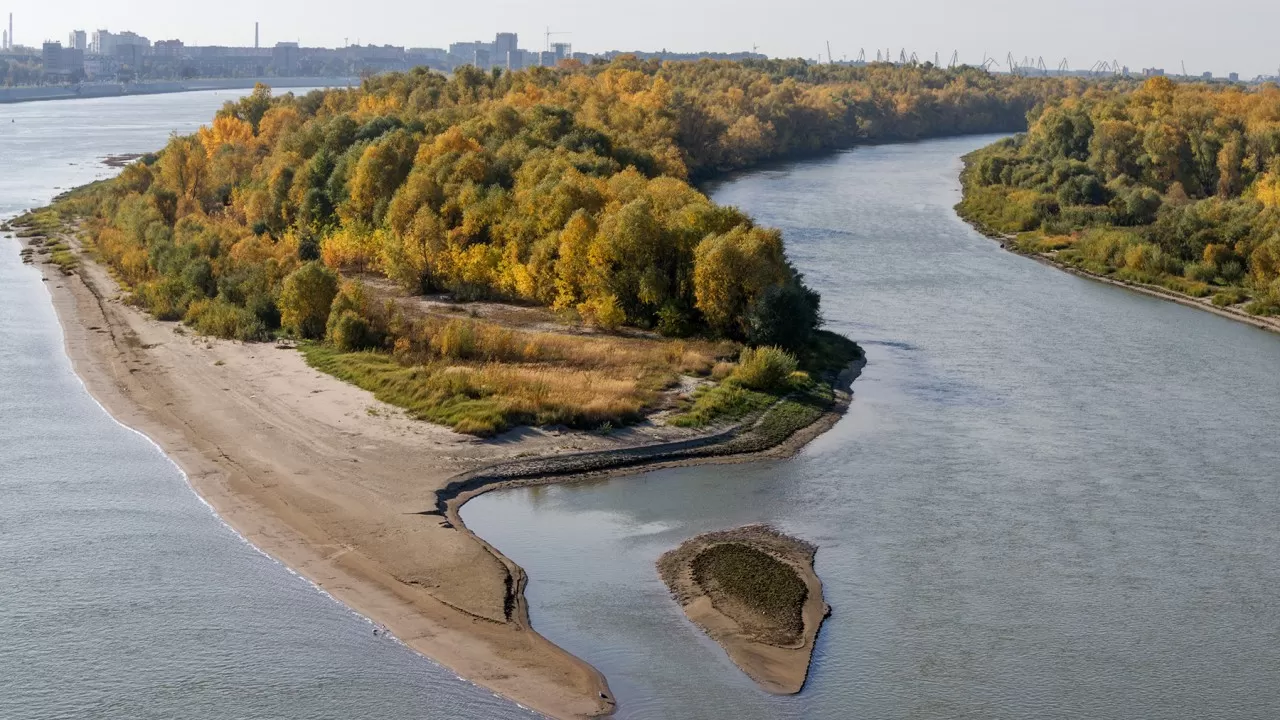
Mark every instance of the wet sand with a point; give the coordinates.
(777, 661)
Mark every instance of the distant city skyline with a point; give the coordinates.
(1227, 36)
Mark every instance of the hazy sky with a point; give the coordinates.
(1218, 35)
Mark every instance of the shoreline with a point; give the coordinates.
(1006, 243)
(282, 479)
(46, 93)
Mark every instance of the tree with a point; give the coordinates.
(731, 270)
(305, 298)
(784, 316)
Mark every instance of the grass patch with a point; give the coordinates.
(792, 404)
(486, 397)
(66, 260)
(727, 401)
(759, 581)
(796, 411)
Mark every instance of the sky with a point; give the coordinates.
(1221, 36)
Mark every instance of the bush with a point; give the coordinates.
(1234, 296)
(1200, 272)
(305, 299)
(264, 308)
(457, 340)
(349, 332)
(767, 369)
(224, 320)
(352, 299)
(166, 298)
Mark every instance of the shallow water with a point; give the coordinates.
(121, 595)
(1051, 498)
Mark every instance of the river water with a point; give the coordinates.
(121, 595)
(1051, 498)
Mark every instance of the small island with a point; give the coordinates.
(754, 591)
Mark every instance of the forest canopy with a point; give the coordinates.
(1176, 184)
(569, 188)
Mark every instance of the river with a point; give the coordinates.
(121, 595)
(1051, 498)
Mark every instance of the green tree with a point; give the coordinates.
(305, 299)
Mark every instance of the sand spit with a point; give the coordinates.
(773, 652)
(354, 495)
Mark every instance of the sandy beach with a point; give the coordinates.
(341, 487)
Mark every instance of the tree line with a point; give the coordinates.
(572, 188)
(1176, 184)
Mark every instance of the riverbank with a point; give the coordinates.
(754, 591)
(1009, 242)
(342, 488)
(87, 91)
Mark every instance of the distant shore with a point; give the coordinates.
(1007, 242)
(361, 499)
(85, 91)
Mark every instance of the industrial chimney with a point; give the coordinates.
(255, 36)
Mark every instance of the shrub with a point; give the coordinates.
(166, 298)
(224, 320)
(674, 321)
(305, 299)
(348, 331)
(264, 307)
(1233, 296)
(1200, 272)
(765, 368)
(457, 340)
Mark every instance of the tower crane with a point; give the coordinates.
(550, 32)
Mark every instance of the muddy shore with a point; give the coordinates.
(776, 658)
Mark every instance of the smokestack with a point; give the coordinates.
(10, 30)
(255, 36)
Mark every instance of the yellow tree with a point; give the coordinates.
(730, 272)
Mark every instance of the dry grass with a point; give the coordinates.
(480, 378)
